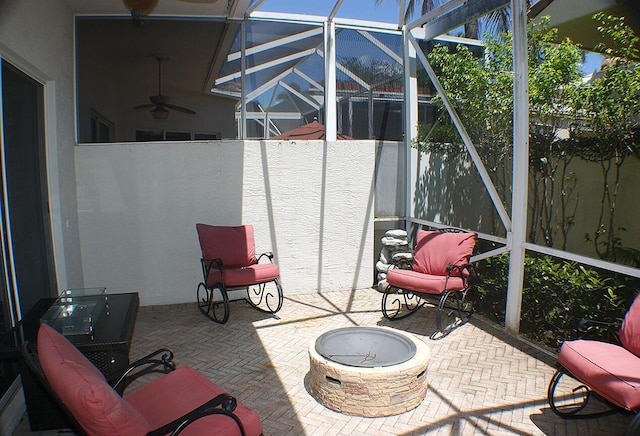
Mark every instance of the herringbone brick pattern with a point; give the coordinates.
(481, 381)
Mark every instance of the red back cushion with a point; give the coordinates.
(83, 389)
(629, 333)
(435, 251)
(234, 245)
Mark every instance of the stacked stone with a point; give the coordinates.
(395, 251)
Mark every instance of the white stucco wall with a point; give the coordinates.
(37, 37)
(448, 190)
(311, 203)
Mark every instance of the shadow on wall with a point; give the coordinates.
(449, 190)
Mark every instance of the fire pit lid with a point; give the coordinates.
(365, 346)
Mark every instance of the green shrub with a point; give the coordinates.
(556, 295)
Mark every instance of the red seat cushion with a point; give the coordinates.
(629, 332)
(435, 251)
(608, 369)
(420, 282)
(173, 395)
(234, 245)
(250, 275)
(84, 390)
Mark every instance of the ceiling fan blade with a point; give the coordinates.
(142, 107)
(180, 109)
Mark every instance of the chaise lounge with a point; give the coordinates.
(181, 401)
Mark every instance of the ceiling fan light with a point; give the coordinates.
(143, 7)
(160, 114)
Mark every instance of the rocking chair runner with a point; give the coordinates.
(440, 269)
(609, 370)
(229, 262)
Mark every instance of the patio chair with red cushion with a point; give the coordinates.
(439, 270)
(181, 401)
(229, 263)
(611, 371)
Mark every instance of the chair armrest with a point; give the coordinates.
(162, 358)
(223, 404)
(268, 255)
(401, 264)
(586, 326)
(460, 268)
(208, 264)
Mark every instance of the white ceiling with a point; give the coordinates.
(130, 51)
(165, 7)
(573, 18)
(194, 61)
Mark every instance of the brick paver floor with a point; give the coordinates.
(481, 381)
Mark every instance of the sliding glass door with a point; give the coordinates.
(26, 255)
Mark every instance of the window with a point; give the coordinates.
(101, 128)
(169, 135)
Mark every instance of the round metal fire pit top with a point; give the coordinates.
(365, 347)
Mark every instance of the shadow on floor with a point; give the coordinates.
(481, 380)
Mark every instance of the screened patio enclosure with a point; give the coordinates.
(367, 80)
(284, 80)
(125, 185)
(265, 71)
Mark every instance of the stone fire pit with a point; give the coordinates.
(368, 371)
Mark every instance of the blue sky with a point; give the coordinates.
(357, 9)
(592, 63)
(367, 10)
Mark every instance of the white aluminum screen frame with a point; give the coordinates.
(515, 224)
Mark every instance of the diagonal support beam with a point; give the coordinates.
(312, 82)
(275, 43)
(268, 85)
(271, 83)
(266, 65)
(493, 193)
(298, 94)
(457, 17)
(349, 73)
(380, 46)
(441, 10)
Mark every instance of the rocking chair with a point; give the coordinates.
(439, 270)
(611, 371)
(229, 263)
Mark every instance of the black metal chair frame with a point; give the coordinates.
(447, 304)
(582, 392)
(159, 361)
(259, 295)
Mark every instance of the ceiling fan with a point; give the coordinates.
(142, 8)
(160, 105)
